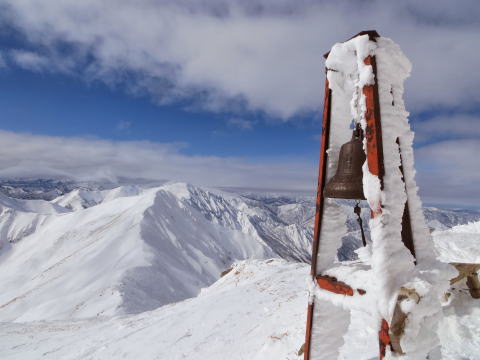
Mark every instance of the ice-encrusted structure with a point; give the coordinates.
(386, 266)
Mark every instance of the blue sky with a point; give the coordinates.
(222, 92)
(52, 104)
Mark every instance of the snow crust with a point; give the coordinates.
(460, 244)
(256, 311)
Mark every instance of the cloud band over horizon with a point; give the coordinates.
(27, 155)
(83, 158)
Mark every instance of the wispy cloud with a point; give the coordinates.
(123, 125)
(449, 172)
(85, 158)
(242, 124)
(30, 61)
(3, 64)
(445, 127)
(259, 54)
(48, 61)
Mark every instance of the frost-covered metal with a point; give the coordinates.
(364, 83)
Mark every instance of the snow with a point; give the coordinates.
(459, 330)
(30, 206)
(460, 244)
(256, 311)
(132, 249)
(136, 274)
(143, 248)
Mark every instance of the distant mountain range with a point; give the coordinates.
(104, 249)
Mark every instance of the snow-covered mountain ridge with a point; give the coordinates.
(133, 248)
(133, 251)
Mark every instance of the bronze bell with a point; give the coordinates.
(347, 182)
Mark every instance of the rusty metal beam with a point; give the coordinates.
(383, 338)
(308, 335)
(373, 132)
(322, 173)
(331, 284)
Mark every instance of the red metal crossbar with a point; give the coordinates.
(331, 284)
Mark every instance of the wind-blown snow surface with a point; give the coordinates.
(132, 249)
(254, 312)
(459, 244)
(90, 257)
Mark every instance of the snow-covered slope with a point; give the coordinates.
(20, 218)
(256, 312)
(459, 244)
(80, 265)
(132, 249)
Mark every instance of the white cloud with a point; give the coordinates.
(449, 172)
(455, 126)
(242, 124)
(30, 60)
(123, 125)
(264, 55)
(84, 158)
(34, 61)
(3, 64)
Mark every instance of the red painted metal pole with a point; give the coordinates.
(322, 172)
(375, 162)
(373, 132)
(308, 334)
(384, 338)
(331, 284)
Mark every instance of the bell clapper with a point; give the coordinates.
(357, 210)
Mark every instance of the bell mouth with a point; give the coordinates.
(344, 190)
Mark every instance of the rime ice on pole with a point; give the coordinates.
(391, 267)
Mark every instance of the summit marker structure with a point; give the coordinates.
(389, 300)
